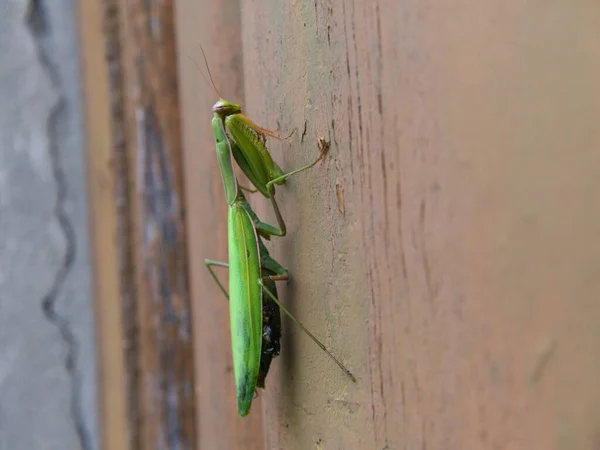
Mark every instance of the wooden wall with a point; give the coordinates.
(137, 217)
(447, 249)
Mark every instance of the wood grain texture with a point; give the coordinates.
(447, 249)
(102, 179)
(155, 166)
(146, 356)
(216, 26)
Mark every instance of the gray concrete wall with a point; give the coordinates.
(47, 372)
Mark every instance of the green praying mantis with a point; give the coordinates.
(252, 156)
(254, 306)
(250, 151)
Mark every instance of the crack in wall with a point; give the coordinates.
(37, 23)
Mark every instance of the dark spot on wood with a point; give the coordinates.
(303, 132)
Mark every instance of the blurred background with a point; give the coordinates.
(47, 350)
(447, 248)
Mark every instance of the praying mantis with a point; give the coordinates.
(253, 303)
(250, 151)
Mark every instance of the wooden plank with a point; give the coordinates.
(299, 80)
(106, 260)
(216, 26)
(165, 358)
(447, 248)
(144, 166)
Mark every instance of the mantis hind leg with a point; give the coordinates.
(276, 278)
(308, 333)
(277, 271)
(209, 263)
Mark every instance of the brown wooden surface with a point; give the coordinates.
(447, 249)
(144, 318)
(167, 403)
(215, 26)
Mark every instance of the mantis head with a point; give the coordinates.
(224, 108)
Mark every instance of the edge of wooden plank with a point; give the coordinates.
(103, 224)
